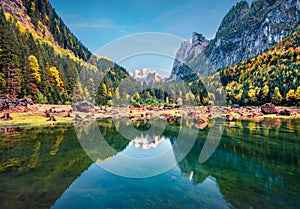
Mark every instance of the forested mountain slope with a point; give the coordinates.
(272, 76)
(40, 58)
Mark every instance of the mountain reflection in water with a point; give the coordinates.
(256, 165)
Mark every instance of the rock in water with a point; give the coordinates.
(285, 112)
(87, 107)
(268, 108)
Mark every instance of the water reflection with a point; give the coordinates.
(38, 164)
(96, 188)
(146, 142)
(139, 162)
(256, 165)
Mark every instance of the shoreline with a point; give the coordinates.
(34, 115)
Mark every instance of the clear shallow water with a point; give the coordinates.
(256, 165)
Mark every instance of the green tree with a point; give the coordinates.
(40, 98)
(92, 90)
(78, 92)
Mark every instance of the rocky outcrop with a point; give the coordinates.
(188, 51)
(7, 102)
(245, 32)
(18, 9)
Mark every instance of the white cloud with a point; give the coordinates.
(103, 23)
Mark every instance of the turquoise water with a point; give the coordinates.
(256, 165)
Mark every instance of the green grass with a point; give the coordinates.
(31, 119)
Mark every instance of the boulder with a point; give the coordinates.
(168, 107)
(25, 101)
(201, 125)
(268, 108)
(201, 118)
(229, 117)
(171, 119)
(235, 106)
(285, 112)
(84, 107)
(4, 105)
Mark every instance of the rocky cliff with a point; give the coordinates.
(245, 32)
(189, 50)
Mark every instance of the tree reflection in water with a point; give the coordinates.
(255, 165)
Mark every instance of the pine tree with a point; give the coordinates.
(92, 90)
(78, 93)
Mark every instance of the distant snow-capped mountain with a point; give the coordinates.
(147, 75)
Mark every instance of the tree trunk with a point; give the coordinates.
(6, 116)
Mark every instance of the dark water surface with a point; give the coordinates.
(256, 165)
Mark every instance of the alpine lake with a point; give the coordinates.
(255, 165)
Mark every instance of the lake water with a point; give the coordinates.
(256, 165)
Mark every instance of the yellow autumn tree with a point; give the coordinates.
(179, 101)
(252, 94)
(297, 95)
(55, 76)
(291, 96)
(265, 91)
(117, 94)
(34, 68)
(137, 96)
(276, 97)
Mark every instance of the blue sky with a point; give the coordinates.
(97, 23)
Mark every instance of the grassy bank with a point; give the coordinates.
(31, 119)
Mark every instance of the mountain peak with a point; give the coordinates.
(147, 75)
(245, 32)
(198, 39)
